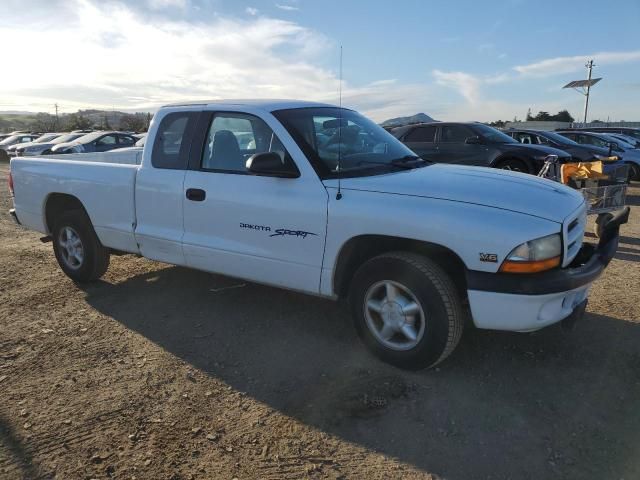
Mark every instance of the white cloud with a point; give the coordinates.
(288, 8)
(466, 84)
(561, 65)
(121, 60)
(251, 11)
(160, 4)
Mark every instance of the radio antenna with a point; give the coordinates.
(339, 194)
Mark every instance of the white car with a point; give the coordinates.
(357, 216)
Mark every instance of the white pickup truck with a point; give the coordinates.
(319, 199)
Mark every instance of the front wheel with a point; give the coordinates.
(406, 310)
(634, 172)
(77, 248)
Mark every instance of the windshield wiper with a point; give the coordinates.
(408, 159)
(404, 163)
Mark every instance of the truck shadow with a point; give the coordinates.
(12, 448)
(542, 405)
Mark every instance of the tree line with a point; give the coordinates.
(81, 120)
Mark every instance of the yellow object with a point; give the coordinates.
(512, 266)
(582, 170)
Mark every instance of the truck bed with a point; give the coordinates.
(103, 182)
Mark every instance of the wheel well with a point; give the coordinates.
(364, 247)
(526, 161)
(58, 203)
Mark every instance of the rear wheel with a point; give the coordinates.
(77, 248)
(514, 165)
(406, 309)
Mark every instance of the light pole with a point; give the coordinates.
(584, 86)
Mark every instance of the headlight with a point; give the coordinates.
(534, 256)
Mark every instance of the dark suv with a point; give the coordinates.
(474, 144)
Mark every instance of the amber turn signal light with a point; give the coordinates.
(510, 266)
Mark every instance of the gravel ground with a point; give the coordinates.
(159, 372)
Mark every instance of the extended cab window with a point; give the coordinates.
(172, 141)
(422, 134)
(234, 137)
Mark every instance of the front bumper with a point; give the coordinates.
(518, 302)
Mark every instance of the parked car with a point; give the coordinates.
(629, 131)
(13, 140)
(45, 147)
(630, 155)
(47, 137)
(635, 143)
(579, 153)
(416, 248)
(95, 142)
(141, 139)
(474, 144)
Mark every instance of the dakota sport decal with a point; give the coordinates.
(279, 232)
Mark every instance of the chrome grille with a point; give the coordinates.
(573, 233)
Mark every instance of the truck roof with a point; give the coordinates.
(267, 104)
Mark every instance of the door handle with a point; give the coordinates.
(196, 194)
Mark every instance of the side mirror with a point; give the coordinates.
(269, 164)
(475, 140)
(613, 146)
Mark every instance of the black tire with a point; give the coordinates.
(514, 165)
(95, 257)
(435, 293)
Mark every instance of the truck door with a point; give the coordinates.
(160, 188)
(260, 228)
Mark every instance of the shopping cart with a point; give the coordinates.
(603, 193)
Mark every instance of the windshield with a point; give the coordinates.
(630, 140)
(611, 138)
(89, 137)
(558, 138)
(67, 138)
(46, 137)
(493, 135)
(326, 134)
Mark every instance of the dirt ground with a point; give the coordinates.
(160, 372)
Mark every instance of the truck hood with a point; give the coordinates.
(517, 192)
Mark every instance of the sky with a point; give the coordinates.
(454, 60)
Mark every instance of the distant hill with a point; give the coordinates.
(89, 118)
(398, 122)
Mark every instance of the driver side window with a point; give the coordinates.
(455, 134)
(233, 138)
